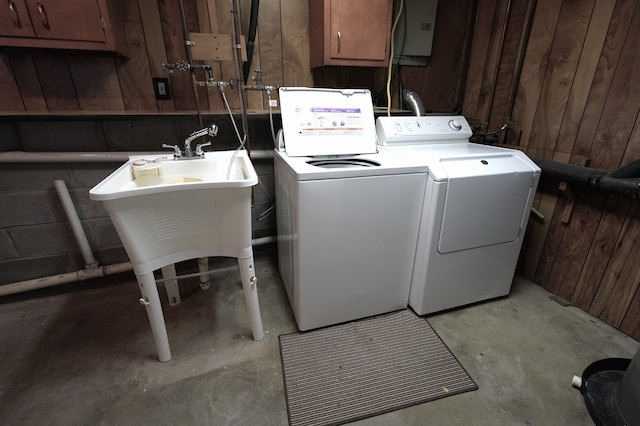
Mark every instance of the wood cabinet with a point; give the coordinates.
(349, 32)
(52, 24)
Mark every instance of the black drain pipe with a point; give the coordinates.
(624, 182)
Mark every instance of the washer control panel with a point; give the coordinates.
(405, 130)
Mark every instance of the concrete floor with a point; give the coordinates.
(87, 358)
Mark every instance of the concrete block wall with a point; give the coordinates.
(36, 239)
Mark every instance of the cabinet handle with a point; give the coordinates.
(338, 41)
(14, 14)
(43, 16)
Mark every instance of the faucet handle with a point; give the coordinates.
(176, 150)
(199, 151)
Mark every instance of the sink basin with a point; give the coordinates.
(161, 174)
(171, 210)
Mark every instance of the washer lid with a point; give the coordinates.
(327, 121)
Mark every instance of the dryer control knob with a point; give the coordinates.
(455, 125)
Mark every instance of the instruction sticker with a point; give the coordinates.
(323, 121)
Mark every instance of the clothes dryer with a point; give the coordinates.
(347, 215)
(475, 211)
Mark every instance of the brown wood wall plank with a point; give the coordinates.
(8, 87)
(580, 87)
(268, 53)
(181, 82)
(96, 83)
(577, 238)
(438, 85)
(560, 71)
(618, 29)
(56, 82)
(498, 114)
(622, 277)
(295, 44)
(27, 79)
(156, 51)
(631, 322)
(622, 105)
(601, 249)
(134, 73)
(228, 70)
(481, 44)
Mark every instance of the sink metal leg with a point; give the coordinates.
(203, 266)
(173, 290)
(250, 289)
(151, 301)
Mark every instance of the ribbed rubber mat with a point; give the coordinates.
(360, 369)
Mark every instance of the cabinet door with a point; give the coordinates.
(360, 29)
(15, 20)
(77, 20)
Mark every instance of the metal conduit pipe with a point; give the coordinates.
(624, 182)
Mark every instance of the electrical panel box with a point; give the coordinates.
(413, 36)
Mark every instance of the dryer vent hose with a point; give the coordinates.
(414, 102)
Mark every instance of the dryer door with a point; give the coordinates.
(486, 201)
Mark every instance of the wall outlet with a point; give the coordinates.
(161, 88)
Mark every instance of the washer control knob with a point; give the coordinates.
(455, 125)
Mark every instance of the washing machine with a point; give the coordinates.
(347, 215)
(476, 206)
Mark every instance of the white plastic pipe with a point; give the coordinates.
(92, 157)
(69, 277)
(78, 231)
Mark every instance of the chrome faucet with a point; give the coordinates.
(188, 152)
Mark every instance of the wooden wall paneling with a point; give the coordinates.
(269, 51)
(585, 73)
(10, 99)
(191, 17)
(555, 229)
(632, 151)
(622, 105)
(492, 63)
(601, 248)
(228, 69)
(294, 22)
(156, 52)
(560, 71)
(56, 82)
(252, 98)
(631, 322)
(622, 276)
(577, 238)
(27, 79)
(208, 23)
(507, 64)
(534, 69)
(477, 68)
(607, 64)
(96, 83)
(441, 82)
(545, 202)
(181, 82)
(134, 72)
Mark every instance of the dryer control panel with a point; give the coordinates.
(408, 130)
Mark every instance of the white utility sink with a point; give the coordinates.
(167, 211)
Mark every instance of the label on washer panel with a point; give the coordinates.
(318, 122)
(323, 121)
